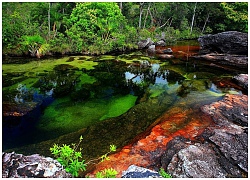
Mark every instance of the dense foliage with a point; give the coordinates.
(100, 27)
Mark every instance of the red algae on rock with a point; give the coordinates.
(175, 122)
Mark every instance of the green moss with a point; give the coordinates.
(36, 67)
(106, 57)
(119, 106)
(84, 79)
(68, 116)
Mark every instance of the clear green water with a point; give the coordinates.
(113, 96)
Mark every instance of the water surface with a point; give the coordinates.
(44, 99)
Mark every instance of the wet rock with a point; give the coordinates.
(168, 51)
(165, 56)
(228, 112)
(163, 50)
(33, 166)
(230, 42)
(229, 133)
(240, 61)
(160, 43)
(145, 43)
(18, 109)
(151, 49)
(242, 80)
(226, 48)
(139, 172)
(222, 149)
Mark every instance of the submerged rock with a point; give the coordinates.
(33, 166)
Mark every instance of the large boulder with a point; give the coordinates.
(226, 48)
(230, 42)
(229, 133)
(221, 150)
(33, 166)
(142, 44)
(196, 161)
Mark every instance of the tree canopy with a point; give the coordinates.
(100, 27)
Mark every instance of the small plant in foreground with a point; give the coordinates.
(107, 173)
(69, 157)
(163, 173)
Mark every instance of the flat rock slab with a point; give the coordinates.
(240, 61)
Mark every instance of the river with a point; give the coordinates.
(109, 99)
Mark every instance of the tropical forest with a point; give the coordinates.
(124, 89)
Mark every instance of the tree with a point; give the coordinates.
(92, 22)
(236, 15)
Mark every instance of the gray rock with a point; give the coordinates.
(139, 172)
(145, 43)
(242, 80)
(160, 43)
(196, 161)
(230, 42)
(151, 49)
(233, 146)
(229, 133)
(33, 166)
(168, 51)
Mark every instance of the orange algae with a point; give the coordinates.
(175, 122)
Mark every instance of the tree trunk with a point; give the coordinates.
(120, 5)
(146, 15)
(49, 20)
(141, 10)
(191, 29)
(205, 23)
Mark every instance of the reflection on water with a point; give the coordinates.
(72, 95)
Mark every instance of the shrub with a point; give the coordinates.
(69, 158)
